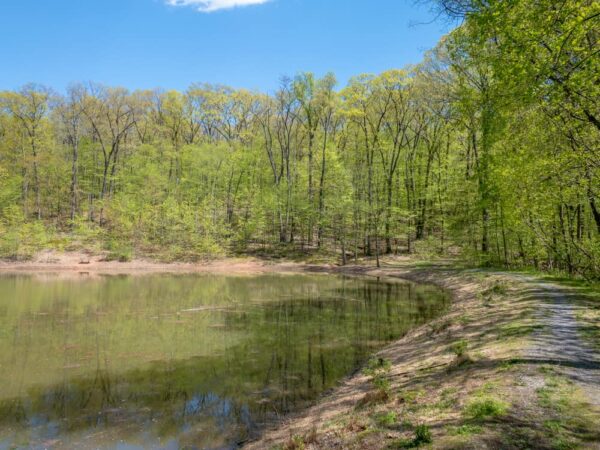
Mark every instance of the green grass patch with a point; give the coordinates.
(589, 323)
(422, 436)
(464, 320)
(554, 426)
(460, 348)
(487, 388)
(570, 421)
(485, 407)
(411, 399)
(447, 399)
(386, 419)
(518, 329)
(465, 430)
(378, 370)
(508, 365)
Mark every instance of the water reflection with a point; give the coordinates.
(175, 361)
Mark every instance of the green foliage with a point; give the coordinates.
(295, 443)
(466, 430)
(20, 239)
(484, 151)
(485, 408)
(117, 251)
(447, 399)
(422, 436)
(459, 348)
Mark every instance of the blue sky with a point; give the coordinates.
(173, 43)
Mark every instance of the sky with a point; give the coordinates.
(146, 44)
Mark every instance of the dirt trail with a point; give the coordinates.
(559, 342)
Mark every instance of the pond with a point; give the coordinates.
(196, 361)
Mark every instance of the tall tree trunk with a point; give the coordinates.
(388, 215)
(74, 181)
(322, 192)
(423, 199)
(485, 235)
(36, 180)
(311, 138)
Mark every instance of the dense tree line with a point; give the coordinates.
(489, 147)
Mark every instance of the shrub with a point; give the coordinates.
(485, 408)
(460, 348)
(20, 240)
(422, 436)
(123, 255)
(295, 443)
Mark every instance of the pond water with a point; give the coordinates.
(195, 361)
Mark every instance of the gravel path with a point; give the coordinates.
(559, 342)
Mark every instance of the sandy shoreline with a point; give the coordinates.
(77, 262)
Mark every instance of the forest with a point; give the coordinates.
(489, 149)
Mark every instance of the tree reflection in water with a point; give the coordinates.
(185, 360)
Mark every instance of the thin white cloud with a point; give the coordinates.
(215, 5)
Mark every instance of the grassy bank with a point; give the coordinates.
(471, 379)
